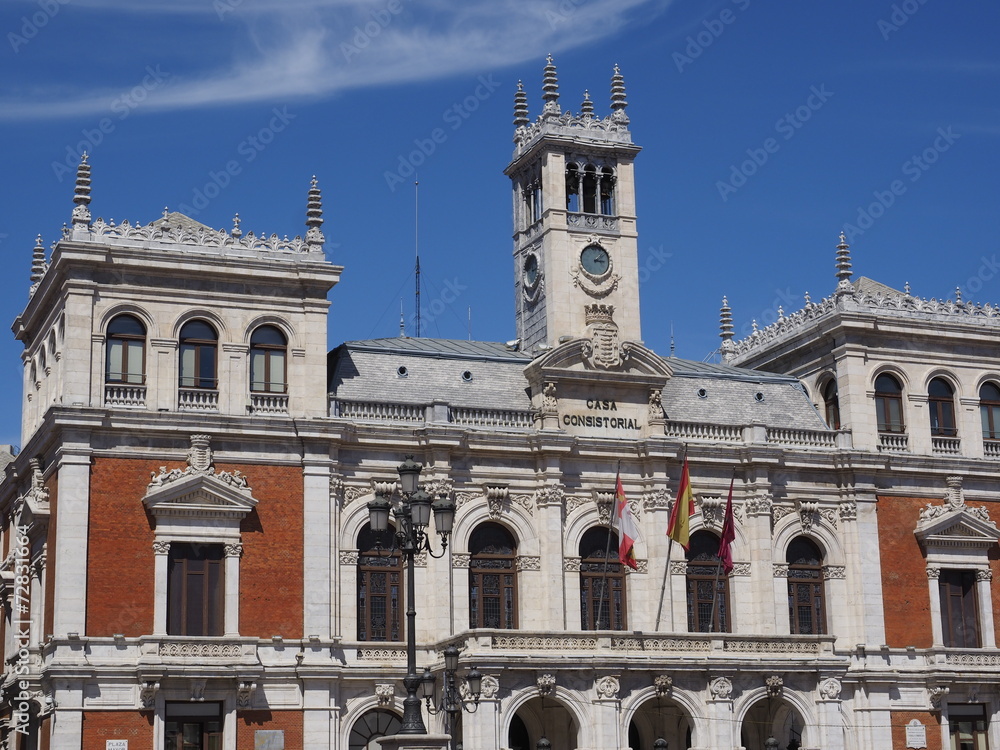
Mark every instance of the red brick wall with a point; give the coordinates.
(120, 549)
(899, 720)
(247, 722)
(905, 593)
(271, 589)
(120, 554)
(905, 596)
(101, 726)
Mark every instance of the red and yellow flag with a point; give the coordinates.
(679, 528)
(628, 530)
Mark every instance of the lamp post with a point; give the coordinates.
(452, 703)
(413, 515)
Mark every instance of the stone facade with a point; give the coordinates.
(191, 545)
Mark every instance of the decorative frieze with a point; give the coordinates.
(200, 650)
(571, 564)
(460, 559)
(780, 570)
(656, 500)
(529, 562)
(741, 569)
(551, 494)
(834, 572)
(759, 504)
(848, 510)
(348, 557)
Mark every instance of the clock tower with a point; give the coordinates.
(575, 241)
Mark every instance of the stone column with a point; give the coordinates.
(481, 728)
(933, 576)
(984, 595)
(720, 727)
(549, 501)
(231, 618)
(757, 507)
(161, 558)
(829, 733)
(72, 524)
(317, 558)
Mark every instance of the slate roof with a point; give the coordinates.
(434, 368)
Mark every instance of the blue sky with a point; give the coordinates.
(841, 104)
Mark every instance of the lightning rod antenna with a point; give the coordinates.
(416, 248)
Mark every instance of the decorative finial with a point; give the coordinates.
(521, 117)
(906, 288)
(402, 321)
(166, 210)
(781, 312)
(673, 346)
(958, 295)
(753, 326)
(81, 195)
(587, 108)
(618, 100)
(550, 89)
(314, 218)
(844, 267)
(726, 328)
(237, 232)
(38, 264)
(809, 302)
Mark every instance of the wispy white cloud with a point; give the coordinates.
(319, 48)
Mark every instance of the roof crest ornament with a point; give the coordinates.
(726, 330)
(587, 106)
(38, 265)
(844, 285)
(550, 90)
(618, 99)
(521, 117)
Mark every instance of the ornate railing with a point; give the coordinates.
(597, 222)
(197, 399)
(492, 417)
(120, 396)
(701, 431)
(802, 438)
(951, 446)
(269, 403)
(380, 412)
(991, 448)
(893, 442)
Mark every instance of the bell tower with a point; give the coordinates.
(575, 241)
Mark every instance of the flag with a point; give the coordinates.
(627, 530)
(728, 533)
(679, 528)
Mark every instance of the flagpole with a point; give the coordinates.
(670, 549)
(607, 551)
(718, 570)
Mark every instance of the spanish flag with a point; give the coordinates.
(679, 528)
(627, 527)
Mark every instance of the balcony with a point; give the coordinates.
(893, 442)
(197, 399)
(991, 449)
(124, 396)
(269, 403)
(946, 446)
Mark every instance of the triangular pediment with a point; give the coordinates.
(962, 526)
(199, 494)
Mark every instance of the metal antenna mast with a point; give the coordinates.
(416, 248)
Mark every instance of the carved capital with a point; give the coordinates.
(234, 550)
(546, 683)
(385, 692)
(161, 548)
(663, 684)
(244, 693)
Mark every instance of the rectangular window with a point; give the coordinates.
(195, 593)
(193, 726)
(968, 727)
(959, 613)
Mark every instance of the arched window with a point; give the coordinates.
(268, 355)
(806, 605)
(492, 578)
(704, 574)
(573, 188)
(607, 191)
(602, 581)
(126, 347)
(941, 406)
(989, 410)
(831, 404)
(370, 726)
(380, 588)
(889, 404)
(198, 344)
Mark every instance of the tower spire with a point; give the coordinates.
(520, 107)
(844, 267)
(726, 331)
(38, 264)
(314, 218)
(81, 195)
(618, 100)
(587, 108)
(550, 89)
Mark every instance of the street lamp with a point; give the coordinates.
(452, 702)
(413, 515)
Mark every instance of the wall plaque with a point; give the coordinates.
(916, 734)
(116, 745)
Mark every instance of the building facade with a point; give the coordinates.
(188, 561)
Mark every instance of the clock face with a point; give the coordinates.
(531, 270)
(594, 260)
